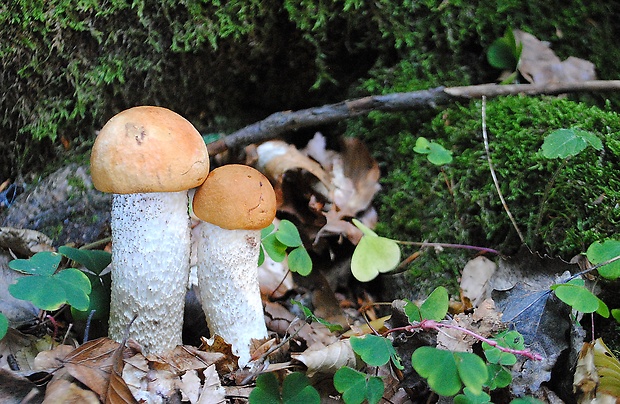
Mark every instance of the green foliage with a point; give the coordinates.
(599, 253)
(564, 143)
(356, 386)
(95, 262)
(310, 316)
(575, 294)
(373, 255)
(46, 288)
(460, 204)
(296, 389)
(49, 287)
(504, 53)
(506, 339)
(446, 372)
(435, 153)
(435, 307)
(468, 397)
(375, 350)
(285, 239)
(4, 325)
(499, 376)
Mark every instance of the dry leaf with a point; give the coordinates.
(276, 157)
(363, 172)
(282, 321)
(13, 342)
(540, 65)
(183, 358)
(92, 364)
(63, 391)
(327, 359)
(484, 321)
(212, 391)
(190, 386)
(16, 389)
(229, 361)
(24, 242)
(475, 281)
(145, 383)
(597, 374)
(340, 185)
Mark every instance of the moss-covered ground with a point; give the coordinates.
(560, 206)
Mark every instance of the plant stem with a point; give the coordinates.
(436, 325)
(495, 181)
(449, 245)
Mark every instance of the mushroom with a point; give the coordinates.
(149, 157)
(235, 202)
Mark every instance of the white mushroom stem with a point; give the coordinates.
(150, 258)
(228, 283)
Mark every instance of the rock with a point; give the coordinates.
(65, 206)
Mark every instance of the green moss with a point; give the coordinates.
(458, 203)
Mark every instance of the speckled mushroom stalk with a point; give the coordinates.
(148, 157)
(235, 203)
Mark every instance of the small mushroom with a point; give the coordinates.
(235, 202)
(148, 157)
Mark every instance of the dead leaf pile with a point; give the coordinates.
(322, 188)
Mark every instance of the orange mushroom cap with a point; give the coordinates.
(236, 197)
(148, 149)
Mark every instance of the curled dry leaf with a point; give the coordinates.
(276, 157)
(282, 321)
(329, 187)
(597, 374)
(212, 391)
(217, 345)
(328, 359)
(24, 242)
(540, 65)
(475, 281)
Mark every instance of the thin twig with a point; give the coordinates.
(495, 181)
(288, 121)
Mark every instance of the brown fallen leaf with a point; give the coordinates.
(276, 157)
(540, 65)
(98, 365)
(484, 321)
(327, 359)
(229, 361)
(324, 189)
(597, 374)
(212, 391)
(63, 391)
(16, 389)
(475, 281)
(24, 242)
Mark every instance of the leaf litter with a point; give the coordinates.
(324, 189)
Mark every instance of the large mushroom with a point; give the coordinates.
(235, 202)
(149, 157)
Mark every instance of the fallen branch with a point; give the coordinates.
(282, 122)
